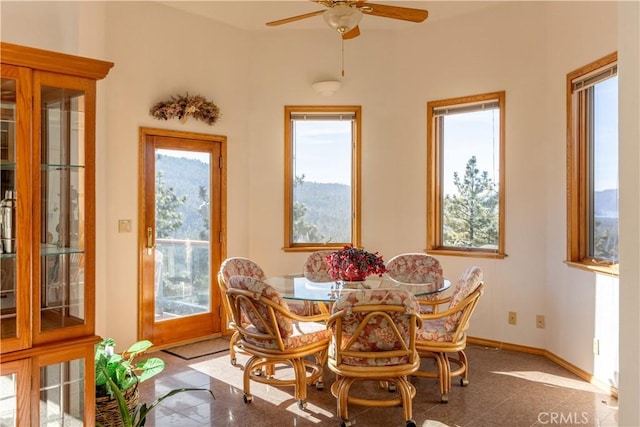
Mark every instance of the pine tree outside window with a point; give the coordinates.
(465, 180)
(322, 176)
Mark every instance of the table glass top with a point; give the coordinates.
(300, 288)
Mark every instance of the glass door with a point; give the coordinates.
(65, 175)
(15, 209)
(181, 243)
(15, 387)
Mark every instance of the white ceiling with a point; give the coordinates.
(253, 14)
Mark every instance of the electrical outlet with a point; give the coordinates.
(540, 321)
(513, 317)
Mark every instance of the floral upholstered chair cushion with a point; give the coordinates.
(239, 266)
(417, 268)
(293, 334)
(444, 329)
(316, 268)
(468, 283)
(377, 335)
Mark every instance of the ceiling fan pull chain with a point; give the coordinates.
(342, 56)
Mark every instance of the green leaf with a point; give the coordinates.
(127, 383)
(139, 347)
(150, 367)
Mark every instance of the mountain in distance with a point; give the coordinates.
(327, 204)
(606, 203)
(327, 207)
(185, 176)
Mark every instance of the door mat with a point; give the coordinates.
(199, 349)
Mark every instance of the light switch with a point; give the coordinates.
(124, 226)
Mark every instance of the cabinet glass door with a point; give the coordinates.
(64, 381)
(62, 394)
(15, 385)
(63, 216)
(14, 215)
(7, 189)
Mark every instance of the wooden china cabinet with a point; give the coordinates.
(47, 256)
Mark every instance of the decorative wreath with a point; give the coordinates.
(183, 106)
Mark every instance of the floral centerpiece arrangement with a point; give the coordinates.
(354, 264)
(183, 106)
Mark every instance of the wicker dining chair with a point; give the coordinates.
(274, 335)
(235, 266)
(443, 334)
(240, 266)
(417, 268)
(373, 339)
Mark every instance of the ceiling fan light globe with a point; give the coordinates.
(327, 87)
(342, 17)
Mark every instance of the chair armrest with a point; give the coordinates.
(458, 308)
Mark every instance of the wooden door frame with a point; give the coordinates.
(143, 176)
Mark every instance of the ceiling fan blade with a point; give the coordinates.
(351, 34)
(294, 18)
(394, 12)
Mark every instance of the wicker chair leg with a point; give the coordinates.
(300, 372)
(404, 389)
(340, 389)
(464, 379)
(246, 377)
(232, 347)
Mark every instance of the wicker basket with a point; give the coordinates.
(108, 411)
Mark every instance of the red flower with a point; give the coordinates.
(353, 264)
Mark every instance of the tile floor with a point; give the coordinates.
(506, 389)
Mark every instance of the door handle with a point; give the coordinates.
(149, 241)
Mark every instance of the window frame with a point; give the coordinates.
(435, 179)
(290, 110)
(578, 172)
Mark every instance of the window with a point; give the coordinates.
(322, 176)
(592, 165)
(465, 179)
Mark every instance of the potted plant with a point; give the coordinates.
(117, 379)
(354, 264)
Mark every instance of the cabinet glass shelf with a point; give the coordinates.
(53, 250)
(53, 166)
(5, 165)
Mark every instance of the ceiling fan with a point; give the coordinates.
(345, 15)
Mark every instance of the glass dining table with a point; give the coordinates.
(298, 287)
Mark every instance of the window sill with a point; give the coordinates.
(611, 270)
(314, 248)
(462, 253)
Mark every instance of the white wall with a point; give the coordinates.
(525, 48)
(578, 34)
(478, 53)
(629, 81)
(160, 52)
